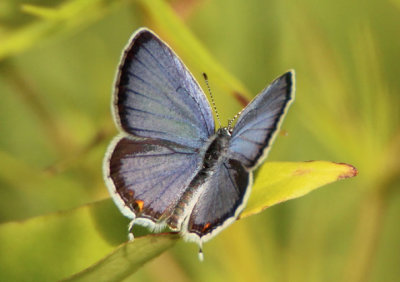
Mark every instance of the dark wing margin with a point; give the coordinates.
(146, 178)
(223, 197)
(259, 122)
(157, 97)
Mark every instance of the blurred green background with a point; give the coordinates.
(57, 65)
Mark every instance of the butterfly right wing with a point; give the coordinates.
(147, 177)
(225, 191)
(259, 122)
(223, 196)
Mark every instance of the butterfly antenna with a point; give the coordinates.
(212, 98)
(233, 119)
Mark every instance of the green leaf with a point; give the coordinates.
(76, 239)
(55, 246)
(127, 258)
(278, 182)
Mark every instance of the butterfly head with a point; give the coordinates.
(224, 132)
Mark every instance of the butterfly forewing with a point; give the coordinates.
(157, 97)
(259, 121)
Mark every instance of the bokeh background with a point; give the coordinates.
(57, 65)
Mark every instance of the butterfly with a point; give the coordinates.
(169, 166)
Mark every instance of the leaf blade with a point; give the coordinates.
(75, 239)
(127, 258)
(292, 180)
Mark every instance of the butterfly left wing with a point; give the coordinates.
(164, 119)
(147, 177)
(223, 197)
(157, 97)
(259, 122)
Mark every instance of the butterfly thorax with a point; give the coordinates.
(215, 151)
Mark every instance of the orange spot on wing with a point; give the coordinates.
(139, 204)
(206, 226)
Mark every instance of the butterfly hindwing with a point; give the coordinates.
(223, 197)
(258, 123)
(147, 177)
(157, 97)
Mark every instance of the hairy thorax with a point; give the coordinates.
(216, 150)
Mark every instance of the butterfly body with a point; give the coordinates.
(214, 154)
(169, 166)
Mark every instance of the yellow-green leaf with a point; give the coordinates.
(127, 258)
(277, 182)
(88, 240)
(74, 239)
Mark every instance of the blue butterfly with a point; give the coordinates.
(169, 166)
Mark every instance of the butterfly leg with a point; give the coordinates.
(201, 255)
(131, 237)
